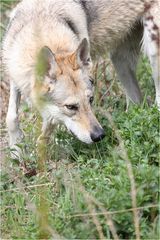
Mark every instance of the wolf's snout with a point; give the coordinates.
(97, 134)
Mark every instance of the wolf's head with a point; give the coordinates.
(64, 91)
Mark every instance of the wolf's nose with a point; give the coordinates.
(97, 135)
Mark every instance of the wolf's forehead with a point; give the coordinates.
(74, 79)
(67, 90)
(71, 86)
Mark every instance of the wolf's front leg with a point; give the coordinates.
(15, 134)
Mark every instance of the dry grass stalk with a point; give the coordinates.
(90, 200)
(107, 216)
(43, 207)
(94, 217)
(115, 212)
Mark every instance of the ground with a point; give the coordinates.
(97, 191)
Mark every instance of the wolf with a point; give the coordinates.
(48, 51)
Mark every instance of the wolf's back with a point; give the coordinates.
(111, 20)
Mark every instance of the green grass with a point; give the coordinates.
(81, 179)
(99, 168)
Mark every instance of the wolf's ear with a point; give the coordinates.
(83, 54)
(45, 73)
(46, 63)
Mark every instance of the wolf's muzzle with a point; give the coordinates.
(97, 134)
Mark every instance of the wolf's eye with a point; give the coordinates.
(73, 107)
(91, 100)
